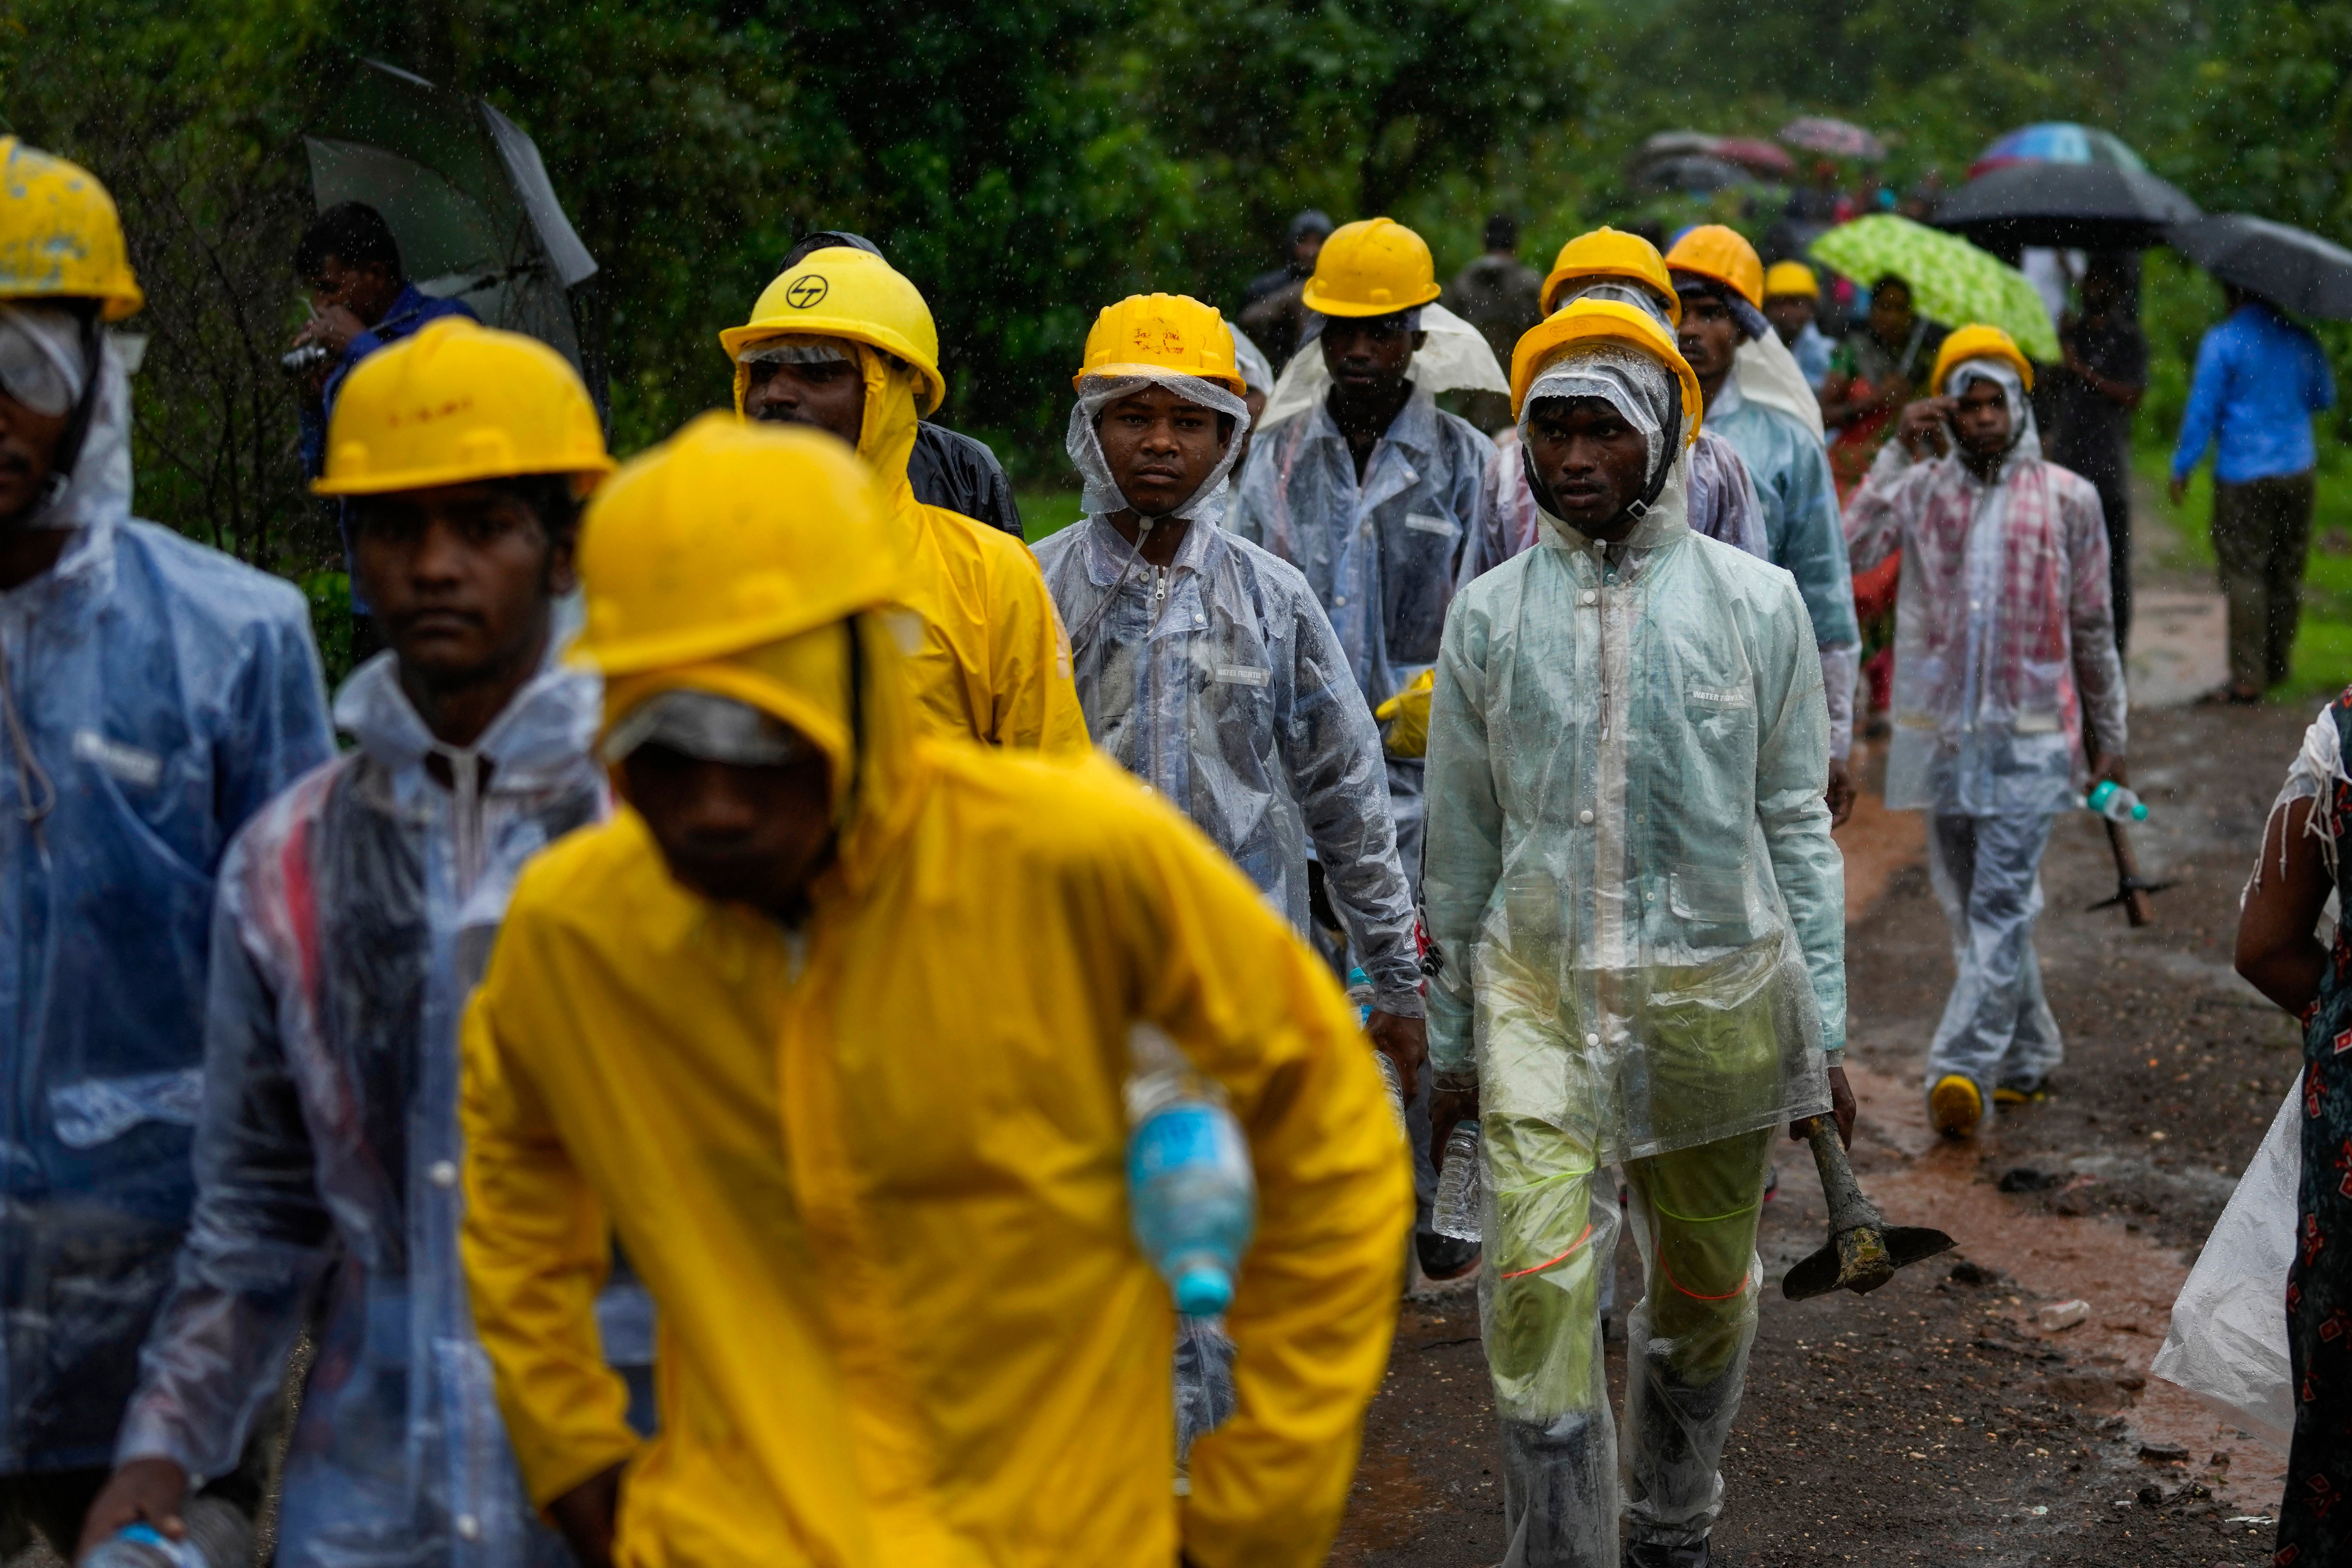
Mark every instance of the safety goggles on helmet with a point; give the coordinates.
(705, 726)
(40, 359)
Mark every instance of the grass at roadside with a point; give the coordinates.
(2323, 647)
(1044, 512)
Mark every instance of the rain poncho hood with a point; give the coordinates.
(1456, 358)
(2025, 435)
(1767, 372)
(158, 693)
(355, 914)
(837, 1153)
(1084, 441)
(992, 662)
(1219, 681)
(1723, 504)
(1630, 873)
(1637, 386)
(99, 489)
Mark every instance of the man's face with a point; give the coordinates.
(1890, 313)
(1591, 462)
(739, 834)
(1790, 314)
(1709, 337)
(1305, 250)
(366, 292)
(1161, 449)
(2100, 292)
(1368, 353)
(28, 451)
(459, 578)
(1982, 419)
(830, 395)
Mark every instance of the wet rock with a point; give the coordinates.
(1967, 1273)
(2164, 1453)
(2026, 1179)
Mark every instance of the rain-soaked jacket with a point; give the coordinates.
(871, 1170)
(992, 662)
(355, 914)
(2004, 629)
(1629, 854)
(1218, 680)
(1380, 556)
(165, 691)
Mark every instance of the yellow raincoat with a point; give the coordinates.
(995, 663)
(873, 1172)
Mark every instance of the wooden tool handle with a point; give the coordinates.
(2137, 907)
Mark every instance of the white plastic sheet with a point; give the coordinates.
(2228, 1342)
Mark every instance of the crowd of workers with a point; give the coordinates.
(670, 1065)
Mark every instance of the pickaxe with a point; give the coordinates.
(2131, 890)
(1863, 1251)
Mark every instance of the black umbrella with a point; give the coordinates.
(2285, 265)
(1696, 172)
(2087, 206)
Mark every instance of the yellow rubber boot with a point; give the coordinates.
(1955, 1105)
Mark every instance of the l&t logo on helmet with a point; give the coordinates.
(803, 292)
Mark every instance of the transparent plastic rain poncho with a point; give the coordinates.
(2004, 630)
(356, 913)
(1219, 681)
(156, 694)
(1380, 554)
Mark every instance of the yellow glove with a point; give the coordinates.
(1407, 717)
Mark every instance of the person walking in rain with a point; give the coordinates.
(1792, 300)
(354, 915)
(1608, 264)
(1271, 308)
(2005, 648)
(1502, 296)
(154, 694)
(2101, 382)
(2260, 378)
(831, 1025)
(843, 342)
(1371, 494)
(1641, 921)
(1720, 279)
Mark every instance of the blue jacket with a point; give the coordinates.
(2260, 378)
(167, 692)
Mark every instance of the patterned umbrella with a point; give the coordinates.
(2056, 141)
(1951, 281)
(1838, 138)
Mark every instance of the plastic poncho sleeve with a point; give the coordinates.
(1792, 747)
(1462, 852)
(1332, 751)
(2090, 615)
(1874, 512)
(535, 1274)
(258, 1240)
(1813, 544)
(1037, 702)
(283, 732)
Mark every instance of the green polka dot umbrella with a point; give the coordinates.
(1952, 281)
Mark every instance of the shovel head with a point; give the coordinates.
(1848, 1260)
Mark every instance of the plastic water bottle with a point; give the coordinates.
(1459, 1181)
(2113, 802)
(1359, 992)
(219, 1535)
(1190, 1188)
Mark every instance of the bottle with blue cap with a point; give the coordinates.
(2113, 802)
(218, 1535)
(1192, 1194)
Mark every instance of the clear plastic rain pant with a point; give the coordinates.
(1551, 1219)
(1997, 1027)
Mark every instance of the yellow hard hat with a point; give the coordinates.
(1160, 333)
(1603, 321)
(459, 401)
(1724, 256)
(60, 237)
(1980, 341)
(1373, 267)
(840, 292)
(729, 535)
(1611, 253)
(1790, 277)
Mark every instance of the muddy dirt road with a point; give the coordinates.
(1933, 1421)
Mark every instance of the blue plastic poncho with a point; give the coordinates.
(355, 915)
(1381, 554)
(159, 692)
